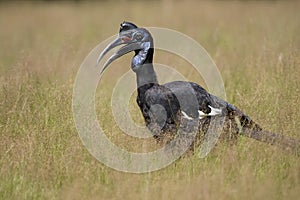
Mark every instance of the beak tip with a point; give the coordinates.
(99, 59)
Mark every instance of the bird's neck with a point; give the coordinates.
(146, 76)
(143, 67)
(146, 79)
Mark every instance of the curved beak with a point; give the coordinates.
(122, 51)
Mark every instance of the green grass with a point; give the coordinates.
(255, 45)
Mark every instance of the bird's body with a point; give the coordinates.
(164, 107)
(163, 113)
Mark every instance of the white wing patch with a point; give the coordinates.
(186, 116)
(201, 114)
(213, 112)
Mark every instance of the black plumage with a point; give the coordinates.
(165, 107)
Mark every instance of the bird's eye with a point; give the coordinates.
(138, 36)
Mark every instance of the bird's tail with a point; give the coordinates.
(252, 130)
(284, 142)
(247, 127)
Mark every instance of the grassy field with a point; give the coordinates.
(256, 46)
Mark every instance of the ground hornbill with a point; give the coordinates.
(160, 104)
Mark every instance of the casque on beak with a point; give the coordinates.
(131, 45)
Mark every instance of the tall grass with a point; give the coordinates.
(255, 45)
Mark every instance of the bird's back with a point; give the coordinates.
(164, 107)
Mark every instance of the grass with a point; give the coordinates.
(255, 45)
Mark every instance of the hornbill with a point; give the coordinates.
(161, 106)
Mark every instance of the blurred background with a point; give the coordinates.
(255, 44)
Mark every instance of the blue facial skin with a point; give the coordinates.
(139, 59)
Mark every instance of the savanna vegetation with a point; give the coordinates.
(255, 44)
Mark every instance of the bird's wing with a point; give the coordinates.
(197, 102)
(162, 102)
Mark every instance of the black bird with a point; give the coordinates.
(164, 107)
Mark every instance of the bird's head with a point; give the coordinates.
(134, 39)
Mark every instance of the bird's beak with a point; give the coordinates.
(130, 46)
